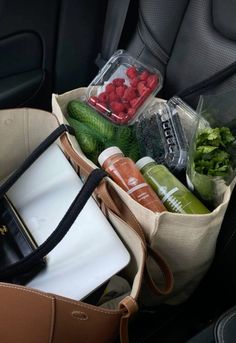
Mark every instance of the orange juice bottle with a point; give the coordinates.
(127, 175)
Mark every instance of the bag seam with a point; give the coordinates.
(52, 320)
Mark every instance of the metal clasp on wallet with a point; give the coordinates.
(3, 230)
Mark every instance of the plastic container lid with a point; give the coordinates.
(144, 161)
(123, 87)
(160, 135)
(108, 153)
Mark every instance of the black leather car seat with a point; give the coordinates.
(187, 40)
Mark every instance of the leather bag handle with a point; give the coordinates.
(110, 200)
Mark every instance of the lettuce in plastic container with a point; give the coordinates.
(212, 156)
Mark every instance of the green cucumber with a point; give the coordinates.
(123, 134)
(131, 149)
(89, 142)
(134, 152)
(85, 114)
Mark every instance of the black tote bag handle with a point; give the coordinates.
(41, 148)
(26, 263)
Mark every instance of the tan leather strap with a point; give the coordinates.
(110, 200)
(109, 197)
(104, 197)
(84, 166)
(168, 275)
(130, 307)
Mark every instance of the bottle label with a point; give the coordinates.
(135, 188)
(168, 195)
(132, 181)
(174, 204)
(126, 174)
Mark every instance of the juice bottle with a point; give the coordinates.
(174, 195)
(125, 173)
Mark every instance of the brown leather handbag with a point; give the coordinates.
(31, 316)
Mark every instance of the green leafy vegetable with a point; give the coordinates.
(212, 156)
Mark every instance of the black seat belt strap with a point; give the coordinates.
(210, 82)
(114, 22)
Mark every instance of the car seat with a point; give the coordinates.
(189, 41)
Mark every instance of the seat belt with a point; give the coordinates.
(114, 22)
(210, 82)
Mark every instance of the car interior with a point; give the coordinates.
(55, 46)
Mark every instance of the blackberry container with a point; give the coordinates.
(188, 117)
(160, 136)
(123, 87)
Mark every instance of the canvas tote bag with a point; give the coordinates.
(187, 242)
(28, 315)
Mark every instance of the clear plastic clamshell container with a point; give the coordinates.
(123, 87)
(188, 117)
(161, 136)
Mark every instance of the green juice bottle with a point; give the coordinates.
(174, 195)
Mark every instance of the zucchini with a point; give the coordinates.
(85, 114)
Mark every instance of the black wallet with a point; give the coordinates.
(16, 242)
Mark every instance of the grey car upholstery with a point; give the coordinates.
(187, 40)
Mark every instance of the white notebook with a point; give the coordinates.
(90, 253)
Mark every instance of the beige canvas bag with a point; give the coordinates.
(187, 242)
(61, 319)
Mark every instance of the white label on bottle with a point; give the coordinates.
(135, 188)
(168, 195)
(132, 181)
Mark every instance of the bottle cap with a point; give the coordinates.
(144, 161)
(108, 153)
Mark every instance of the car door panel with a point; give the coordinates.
(28, 34)
(21, 73)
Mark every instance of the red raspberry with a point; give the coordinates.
(131, 72)
(126, 106)
(113, 97)
(120, 91)
(118, 82)
(129, 94)
(143, 90)
(136, 102)
(131, 112)
(134, 82)
(152, 81)
(146, 92)
(117, 107)
(144, 75)
(122, 118)
(141, 85)
(102, 97)
(110, 88)
(93, 100)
